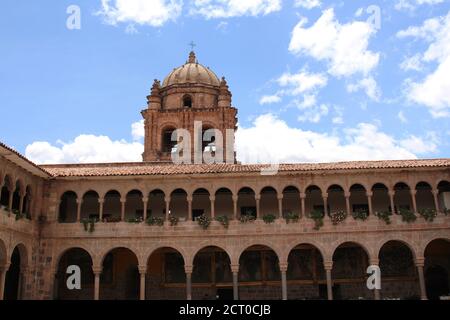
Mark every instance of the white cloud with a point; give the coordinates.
(138, 130)
(370, 87)
(302, 81)
(418, 145)
(270, 99)
(343, 46)
(433, 90)
(412, 63)
(271, 139)
(234, 8)
(154, 13)
(413, 4)
(85, 149)
(308, 4)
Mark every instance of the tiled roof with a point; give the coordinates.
(14, 156)
(142, 168)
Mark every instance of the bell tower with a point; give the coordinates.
(192, 98)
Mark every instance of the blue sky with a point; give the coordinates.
(313, 80)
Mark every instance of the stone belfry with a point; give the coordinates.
(189, 94)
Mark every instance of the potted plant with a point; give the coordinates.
(385, 216)
(135, 220)
(428, 214)
(224, 221)
(155, 221)
(247, 218)
(269, 218)
(173, 220)
(89, 224)
(317, 216)
(204, 221)
(338, 216)
(291, 217)
(407, 215)
(360, 214)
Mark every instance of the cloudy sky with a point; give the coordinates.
(314, 80)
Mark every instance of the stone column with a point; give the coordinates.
(143, 274)
(79, 202)
(3, 270)
(369, 195)
(10, 202)
(325, 206)
(303, 206)
(328, 267)
(413, 199)
(436, 199)
(391, 199)
(235, 271)
(22, 196)
(101, 201)
(123, 201)
(280, 206)
(420, 262)
(97, 272)
(213, 209)
(347, 203)
(167, 200)
(145, 203)
(235, 203)
(189, 201)
(258, 211)
(283, 269)
(188, 270)
(376, 292)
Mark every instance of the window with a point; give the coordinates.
(187, 102)
(167, 143)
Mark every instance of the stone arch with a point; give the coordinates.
(269, 201)
(63, 250)
(367, 249)
(84, 260)
(67, 211)
(120, 274)
(403, 240)
(206, 244)
(166, 143)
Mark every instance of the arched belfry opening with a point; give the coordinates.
(190, 93)
(187, 101)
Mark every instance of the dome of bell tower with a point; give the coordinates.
(191, 72)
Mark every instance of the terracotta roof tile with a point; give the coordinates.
(142, 168)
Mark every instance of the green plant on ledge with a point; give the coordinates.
(291, 217)
(247, 218)
(204, 221)
(446, 211)
(407, 215)
(317, 216)
(224, 221)
(19, 216)
(173, 220)
(155, 221)
(269, 218)
(360, 214)
(385, 216)
(135, 220)
(428, 214)
(89, 224)
(338, 216)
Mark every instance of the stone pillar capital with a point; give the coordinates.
(101, 200)
(420, 261)
(234, 268)
(97, 270)
(391, 193)
(188, 269)
(328, 265)
(123, 200)
(302, 195)
(189, 198)
(347, 194)
(212, 198)
(5, 267)
(142, 269)
(374, 261)
(145, 199)
(369, 194)
(235, 198)
(258, 197)
(283, 267)
(413, 192)
(280, 197)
